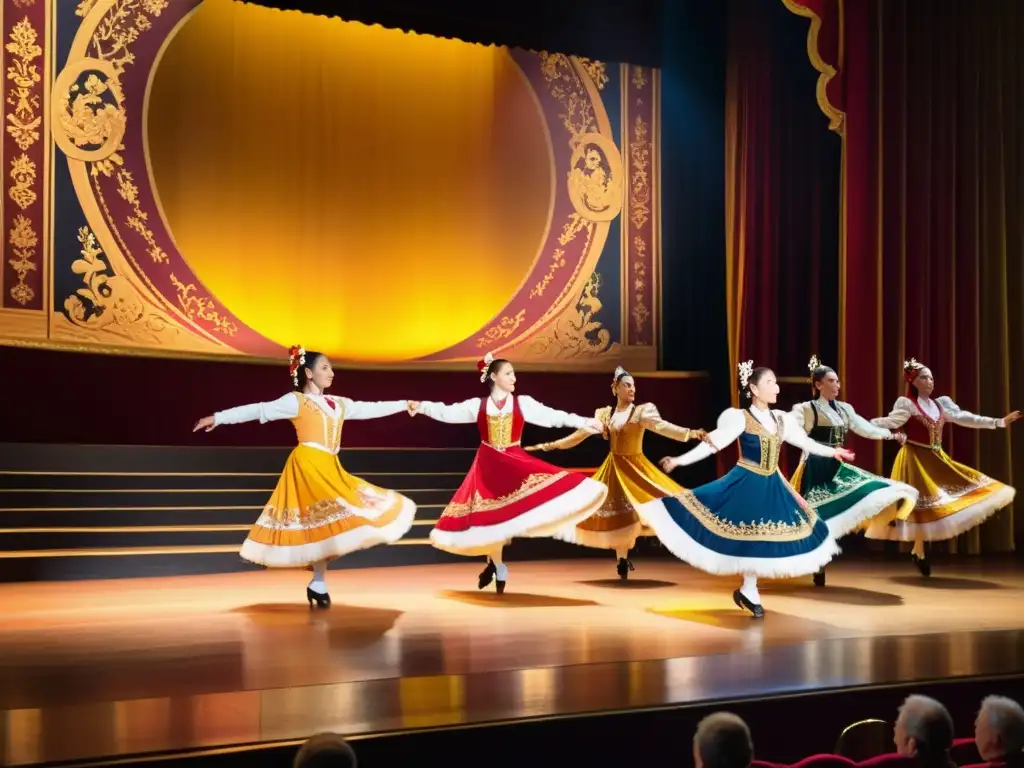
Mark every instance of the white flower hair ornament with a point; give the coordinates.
(746, 369)
(813, 364)
(296, 358)
(483, 366)
(620, 373)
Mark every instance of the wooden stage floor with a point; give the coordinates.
(102, 668)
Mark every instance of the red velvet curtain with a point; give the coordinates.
(934, 219)
(782, 210)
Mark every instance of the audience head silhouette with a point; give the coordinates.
(327, 750)
(999, 729)
(924, 729)
(722, 741)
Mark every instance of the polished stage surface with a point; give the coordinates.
(102, 668)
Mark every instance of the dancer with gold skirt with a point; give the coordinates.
(953, 498)
(631, 479)
(508, 493)
(844, 496)
(318, 511)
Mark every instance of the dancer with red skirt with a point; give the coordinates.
(508, 493)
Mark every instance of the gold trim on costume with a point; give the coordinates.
(531, 484)
(772, 530)
(499, 430)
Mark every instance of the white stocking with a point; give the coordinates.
(919, 544)
(319, 582)
(749, 589)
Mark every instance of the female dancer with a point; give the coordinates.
(842, 495)
(631, 479)
(508, 492)
(749, 521)
(318, 511)
(953, 498)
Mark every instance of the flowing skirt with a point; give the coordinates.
(632, 480)
(846, 497)
(318, 511)
(510, 494)
(744, 522)
(953, 498)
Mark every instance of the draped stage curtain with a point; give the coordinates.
(934, 239)
(782, 208)
(782, 212)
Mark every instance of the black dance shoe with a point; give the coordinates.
(819, 578)
(742, 602)
(923, 565)
(486, 575)
(322, 601)
(623, 568)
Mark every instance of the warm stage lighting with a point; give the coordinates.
(366, 192)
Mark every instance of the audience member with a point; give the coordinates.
(722, 741)
(999, 731)
(924, 730)
(327, 750)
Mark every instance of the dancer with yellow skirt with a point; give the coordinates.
(318, 511)
(631, 479)
(953, 498)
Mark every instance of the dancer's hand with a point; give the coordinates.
(1009, 418)
(669, 463)
(594, 426)
(206, 423)
(702, 435)
(900, 437)
(412, 406)
(845, 455)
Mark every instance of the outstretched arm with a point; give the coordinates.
(285, 407)
(803, 413)
(865, 428)
(361, 410)
(465, 412)
(964, 418)
(542, 416)
(570, 441)
(651, 419)
(793, 433)
(730, 426)
(901, 412)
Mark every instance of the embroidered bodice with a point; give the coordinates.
(503, 429)
(759, 448)
(624, 429)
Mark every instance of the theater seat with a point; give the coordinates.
(865, 739)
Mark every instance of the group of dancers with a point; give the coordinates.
(751, 522)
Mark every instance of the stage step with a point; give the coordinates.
(109, 511)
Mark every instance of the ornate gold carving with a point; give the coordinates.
(577, 332)
(23, 174)
(530, 485)
(23, 240)
(23, 3)
(121, 26)
(23, 124)
(639, 78)
(595, 178)
(503, 330)
(90, 117)
(24, 121)
(565, 87)
(88, 114)
(570, 229)
(596, 70)
(109, 302)
(640, 312)
(640, 182)
(196, 306)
